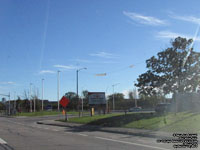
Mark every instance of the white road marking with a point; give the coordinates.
(69, 132)
(82, 134)
(143, 145)
(2, 141)
(55, 130)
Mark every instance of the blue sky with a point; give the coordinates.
(39, 37)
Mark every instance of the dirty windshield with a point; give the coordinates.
(99, 74)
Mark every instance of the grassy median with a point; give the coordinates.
(183, 121)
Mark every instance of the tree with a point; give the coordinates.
(73, 100)
(119, 97)
(174, 70)
(85, 94)
(130, 95)
(85, 99)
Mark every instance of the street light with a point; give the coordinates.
(30, 94)
(42, 94)
(15, 102)
(77, 71)
(58, 88)
(114, 96)
(135, 94)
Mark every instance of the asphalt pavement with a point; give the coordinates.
(23, 133)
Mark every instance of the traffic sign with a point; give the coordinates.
(64, 101)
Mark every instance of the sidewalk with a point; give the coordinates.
(135, 132)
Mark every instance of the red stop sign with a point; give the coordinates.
(64, 101)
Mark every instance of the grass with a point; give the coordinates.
(181, 122)
(43, 113)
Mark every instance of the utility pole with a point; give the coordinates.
(9, 103)
(15, 102)
(58, 90)
(42, 94)
(34, 101)
(114, 95)
(30, 97)
(135, 94)
(77, 71)
(82, 106)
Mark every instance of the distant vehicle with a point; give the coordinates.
(134, 109)
(163, 107)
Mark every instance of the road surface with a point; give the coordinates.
(24, 134)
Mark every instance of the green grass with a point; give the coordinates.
(43, 113)
(181, 122)
(89, 119)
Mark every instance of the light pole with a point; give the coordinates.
(77, 71)
(42, 94)
(135, 94)
(114, 96)
(14, 102)
(30, 97)
(58, 88)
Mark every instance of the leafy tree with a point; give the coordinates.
(73, 104)
(119, 97)
(85, 94)
(130, 95)
(174, 70)
(85, 99)
(71, 95)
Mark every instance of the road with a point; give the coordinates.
(25, 134)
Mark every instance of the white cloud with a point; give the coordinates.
(103, 55)
(46, 71)
(6, 83)
(144, 19)
(191, 19)
(126, 93)
(172, 35)
(67, 67)
(82, 60)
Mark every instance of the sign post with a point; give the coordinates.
(64, 102)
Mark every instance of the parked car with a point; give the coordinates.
(134, 109)
(163, 107)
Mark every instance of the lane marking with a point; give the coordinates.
(2, 141)
(143, 145)
(82, 134)
(55, 130)
(69, 132)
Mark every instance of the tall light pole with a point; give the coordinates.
(14, 102)
(77, 71)
(42, 94)
(9, 102)
(135, 94)
(30, 94)
(58, 89)
(114, 95)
